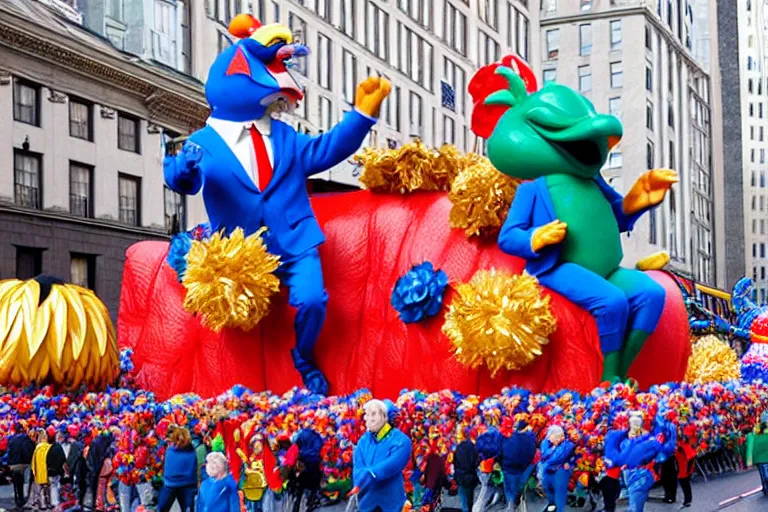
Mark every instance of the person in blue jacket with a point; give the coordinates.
(179, 472)
(253, 169)
(555, 467)
(218, 492)
(379, 459)
(517, 454)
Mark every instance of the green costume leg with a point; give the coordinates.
(646, 303)
(612, 367)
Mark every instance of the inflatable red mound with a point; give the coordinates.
(371, 241)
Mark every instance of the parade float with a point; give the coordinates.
(424, 288)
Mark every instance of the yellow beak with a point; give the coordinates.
(273, 33)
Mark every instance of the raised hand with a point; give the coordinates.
(548, 234)
(649, 190)
(370, 94)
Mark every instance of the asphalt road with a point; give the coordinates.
(708, 496)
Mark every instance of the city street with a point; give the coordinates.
(707, 497)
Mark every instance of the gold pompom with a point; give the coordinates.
(67, 340)
(481, 197)
(500, 320)
(712, 360)
(230, 280)
(410, 167)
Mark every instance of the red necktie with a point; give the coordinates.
(263, 167)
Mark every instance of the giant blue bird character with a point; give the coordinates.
(252, 169)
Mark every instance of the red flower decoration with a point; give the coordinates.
(485, 82)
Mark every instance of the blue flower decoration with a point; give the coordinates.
(126, 360)
(177, 254)
(419, 293)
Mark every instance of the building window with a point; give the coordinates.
(649, 116)
(550, 75)
(553, 44)
(323, 9)
(175, 211)
(324, 62)
(325, 112)
(649, 79)
(614, 159)
(26, 102)
(186, 36)
(115, 9)
(275, 12)
(80, 120)
(449, 130)
(348, 15)
(648, 39)
(164, 33)
(416, 114)
(350, 76)
(82, 270)
(614, 107)
(80, 190)
(617, 75)
(415, 57)
(128, 133)
(488, 50)
(29, 262)
(649, 156)
(672, 158)
(517, 33)
(670, 115)
(456, 77)
(652, 227)
(377, 31)
(585, 5)
(224, 43)
(488, 11)
(130, 199)
(419, 10)
(455, 28)
(27, 179)
(585, 79)
(298, 28)
(615, 34)
(585, 40)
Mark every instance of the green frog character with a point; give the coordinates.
(566, 222)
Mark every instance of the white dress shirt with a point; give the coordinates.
(237, 136)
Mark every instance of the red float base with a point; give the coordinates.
(372, 240)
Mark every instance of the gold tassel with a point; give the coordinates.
(481, 197)
(230, 280)
(499, 320)
(68, 340)
(712, 360)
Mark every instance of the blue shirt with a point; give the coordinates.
(218, 495)
(180, 468)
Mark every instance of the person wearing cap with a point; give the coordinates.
(379, 459)
(555, 467)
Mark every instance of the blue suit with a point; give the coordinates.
(626, 300)
(232, 200)
(553, 473)
(377, 469)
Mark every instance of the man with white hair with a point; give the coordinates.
(555, 467)
(218, 492)
(380, 457)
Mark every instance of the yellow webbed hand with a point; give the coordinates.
(370, 94)
(649, 190)
(548, 234)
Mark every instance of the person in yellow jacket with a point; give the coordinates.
(38, 496)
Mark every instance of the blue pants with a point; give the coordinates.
(185, 496)
(303, 276)
(467, 498)
(639, 483)
(555, 487)
(514, 483)
(627, 300)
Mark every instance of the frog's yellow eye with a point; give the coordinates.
(273, 33)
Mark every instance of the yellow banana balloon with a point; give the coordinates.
(65, 338)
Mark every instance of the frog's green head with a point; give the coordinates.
(553, 130)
